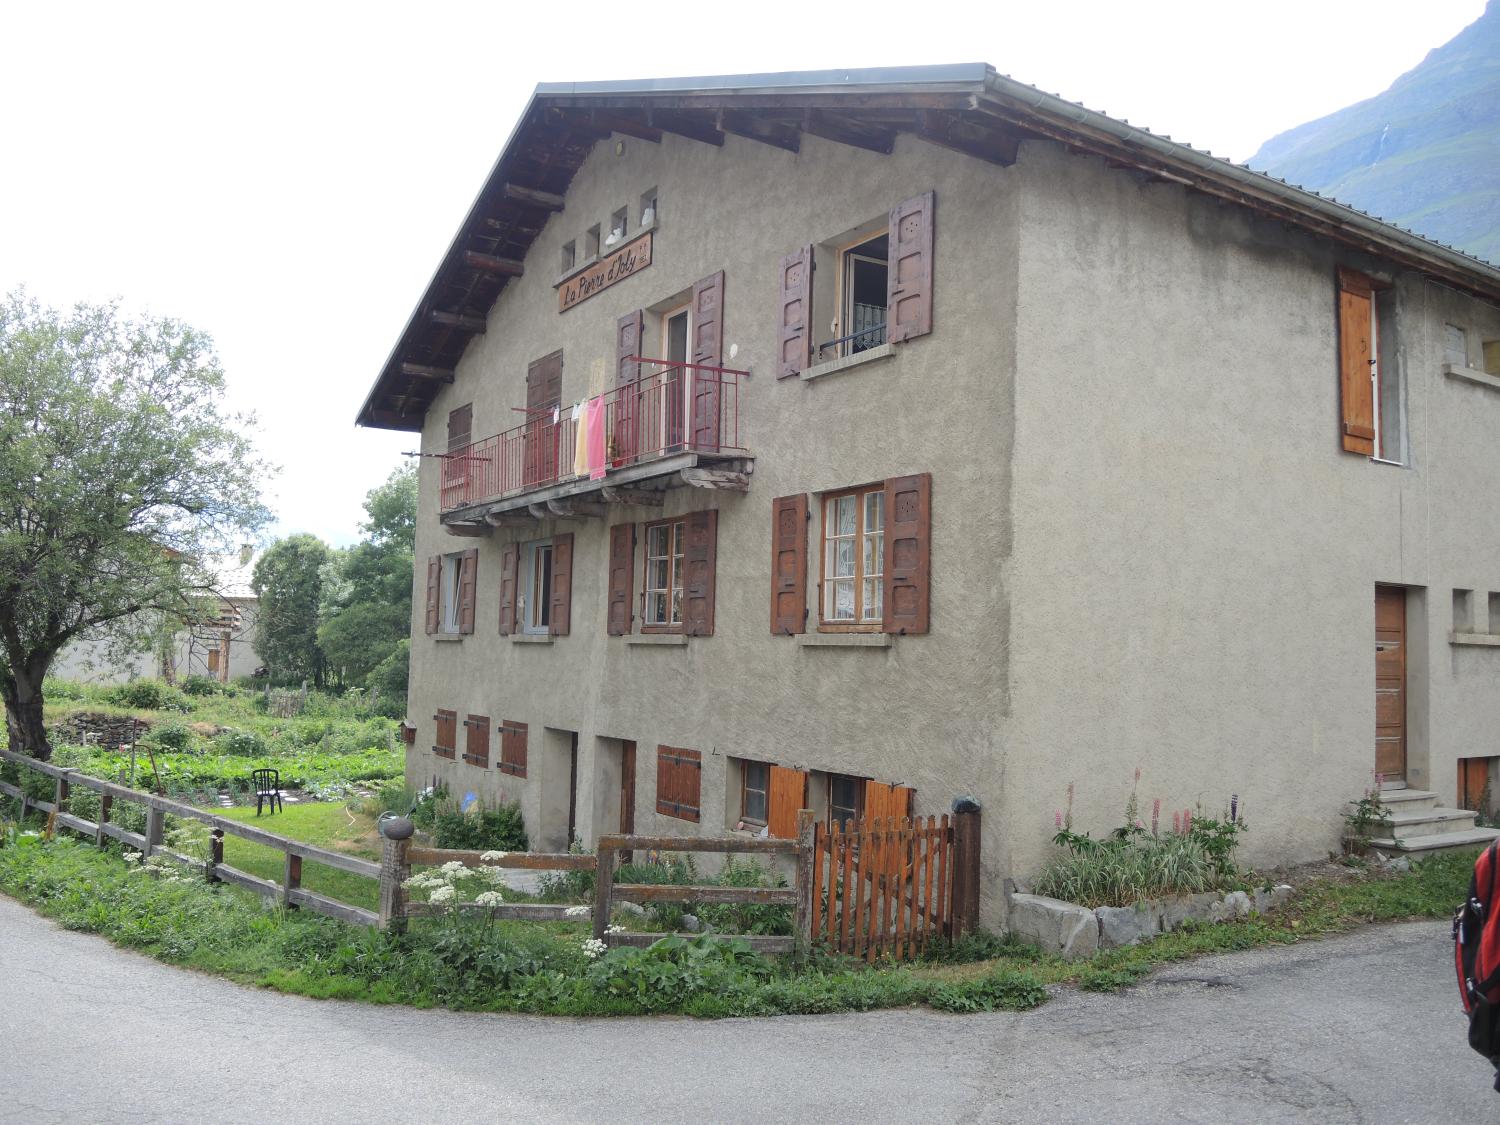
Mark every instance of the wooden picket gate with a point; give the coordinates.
(884, 886)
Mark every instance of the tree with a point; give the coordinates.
(119, 471)
(367, 600)
(288, 580)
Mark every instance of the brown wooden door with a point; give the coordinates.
(1390, 683)
(627, 794)
(573, 790)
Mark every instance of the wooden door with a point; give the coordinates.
(1390, 683)
(543, 398)
(573, 790)
(627, 794)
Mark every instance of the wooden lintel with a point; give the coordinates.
(532, 197)
(468, 530)
(423, 371)
(759, 129)
(694, 126)
(642, 497)
(723, 479)
(948, 131)
(509, 519)
(475, 324)
(623, 122)
(491, 264)
(847, 131)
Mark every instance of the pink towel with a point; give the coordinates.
(594, 422)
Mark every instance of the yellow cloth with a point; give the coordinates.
(580, 446)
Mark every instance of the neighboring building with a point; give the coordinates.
(954, 440)
(219, 645)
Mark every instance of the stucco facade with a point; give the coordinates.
(1148, 550)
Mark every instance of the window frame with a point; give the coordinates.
(676, 551)
(530, 557)
(450, 607)
(746, 766)
(843, 286)
(859, 624)
(859, 796)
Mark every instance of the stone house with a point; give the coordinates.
(864, 439)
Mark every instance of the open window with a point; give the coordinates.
(1370, 386)
(535, 608)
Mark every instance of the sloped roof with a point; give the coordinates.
(968, 107)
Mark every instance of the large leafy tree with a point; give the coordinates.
(120, 469)
(288, 580)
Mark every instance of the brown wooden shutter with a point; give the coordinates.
(446, 736)
(513, 748)
(789, 564)
(434, 592)
(510, 565)
(562, 584)
(700, 558)
(1356, 354)
(908, 551)
(621, 578)
(629, 331)
(468, 571)
(909, 270)
(679, 777)
(460, 426)
(887, 800)
(708, 339)
(795, 347)
(788, 795)
(477, 741)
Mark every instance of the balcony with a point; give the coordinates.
(676, 426)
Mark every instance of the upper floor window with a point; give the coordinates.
(863, 274)
(451, 582)
(665, 544)
(1369, 372)
(853, 558)
(535, 610)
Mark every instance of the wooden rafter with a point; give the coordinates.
(531, 197)
(425, 371)
(759, 129)
(997, 146)
(849, 131)
(696, 126)
(489, 263)
(475, 324)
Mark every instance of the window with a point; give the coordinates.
(1455, 345)
(853, 558)
(862, 298)
(452, 569)
(569, 256)
(591, 242)
(755, 787)
(445, 740)
(618, 223)
(665, 542)
(535, 610)
(1369, 372)
(1490, 350)
(846, 798)
(679, 777)
(649, 211)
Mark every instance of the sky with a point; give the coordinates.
(286, 177)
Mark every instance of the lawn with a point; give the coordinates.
(327, 824)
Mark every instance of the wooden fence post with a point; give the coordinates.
(63, 791)
(396, 839)
(291, 879)
(604, 885)
(154, 824)
(106, 802)
(215, 855)
(807, 908)
(965, 865)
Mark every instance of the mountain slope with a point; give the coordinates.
(1424, 154)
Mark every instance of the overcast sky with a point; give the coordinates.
(287, 176)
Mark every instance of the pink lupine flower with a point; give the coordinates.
(1155, 815)
(1177, 824)
(1057, 819)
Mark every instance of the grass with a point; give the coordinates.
(326, 824)
(472, 964)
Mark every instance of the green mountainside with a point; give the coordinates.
(1425, 154)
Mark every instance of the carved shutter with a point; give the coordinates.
(510, 565)
(708, 337)
(909, 271)
(562, 584)
(796, 313)
(679, 776)
(468, 569)
(908, 564)
(699, 558)
(1356, 359)
(621, 578)
(477, 741)
(789, 564)
(629, 330)
(788, 794)
(434, 592)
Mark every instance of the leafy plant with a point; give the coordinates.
(481, 827)
(150, 695)
(1366, 819)
(1004, 988)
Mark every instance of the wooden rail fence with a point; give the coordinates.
(873, 888)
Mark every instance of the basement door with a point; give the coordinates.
(1390, 685)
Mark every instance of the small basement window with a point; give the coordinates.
(755, 789)
(846, 798)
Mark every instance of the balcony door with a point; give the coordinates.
(543, 399)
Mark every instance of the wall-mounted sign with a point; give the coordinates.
(631, 258)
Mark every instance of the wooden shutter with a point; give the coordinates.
(562, 584)
(1356, 355)
(887, 800)
(477, 741)
(629, 331)
(679, 777)
(510, 565)
(513, 748)
(699, 558)
(621, 578)
(708, 337)
(909, 270)
(446, 736)
(468, 570)
(434, 592)
(908, 549)
(795, 303)
(789, 564)
(460, 426)
(788, 794)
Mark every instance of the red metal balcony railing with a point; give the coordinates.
(676, 408)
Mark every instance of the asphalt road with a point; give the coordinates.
(1359, 1028)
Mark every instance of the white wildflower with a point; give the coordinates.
(614, 929)
(489, 898)
(131, 857)
(577, 912)
(441, 895)
(593, 947)
(493, 857)
(452, 867)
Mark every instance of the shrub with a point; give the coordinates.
(201, 686)
(481, 828)
(1132, 864)
(169, 736)
(149, 695)
(1007, 989)
(242, 744)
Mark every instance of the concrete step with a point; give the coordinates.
(1420, 847)
(1407, 799)
(1404, 824)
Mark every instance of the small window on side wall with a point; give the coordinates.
(591, 242)
(1373, 421)
(755, 788)
(649, 209)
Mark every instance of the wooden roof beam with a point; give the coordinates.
(847, 131)
(396, 420)
(531, 197)
(475, 324)
(488, 263)
(423, 371)
(694, 126)
(623, 122)
(755, 128)
(948, 131)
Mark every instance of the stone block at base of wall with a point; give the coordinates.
(1072, 931)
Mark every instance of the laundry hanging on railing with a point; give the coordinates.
(594, 413)
(580, 443)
